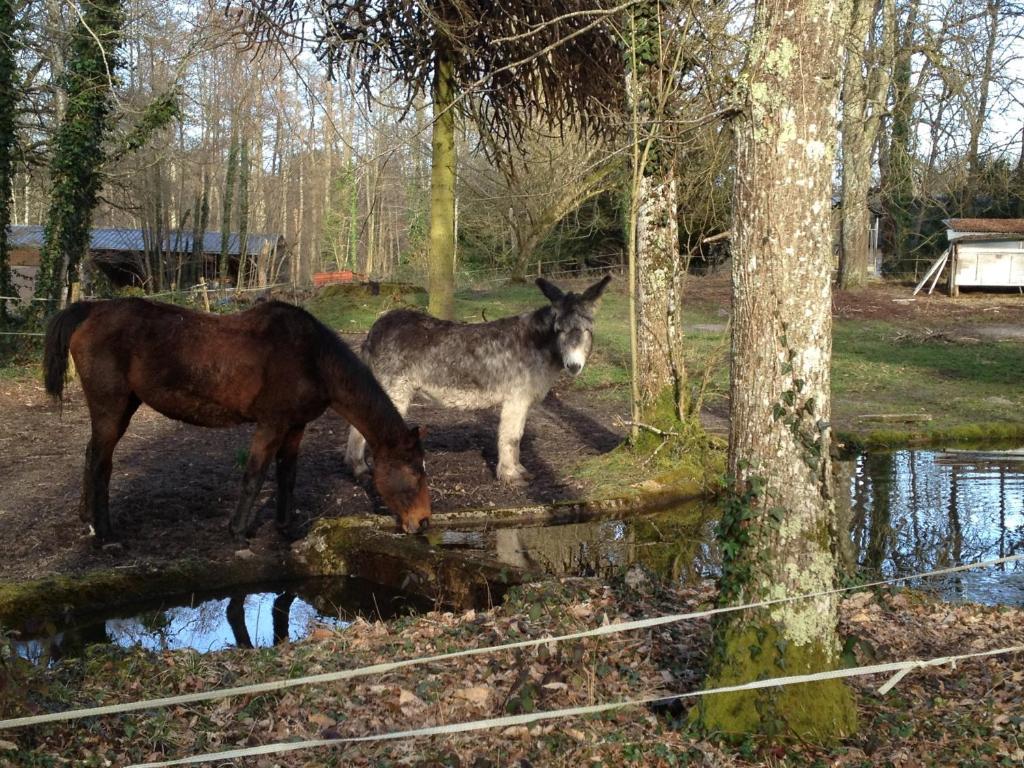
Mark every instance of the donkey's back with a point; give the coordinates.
(463, 365)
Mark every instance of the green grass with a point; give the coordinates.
(972, 391)
(882, 368)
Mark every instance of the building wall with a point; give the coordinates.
(990, 263)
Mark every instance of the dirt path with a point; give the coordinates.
(174, 486)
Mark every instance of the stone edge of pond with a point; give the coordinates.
(978, 434)
(60, 596)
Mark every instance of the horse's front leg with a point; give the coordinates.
(510, 432)
(287, 464)
(265, 444)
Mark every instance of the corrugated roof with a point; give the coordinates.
(133, 240)
(987, 226)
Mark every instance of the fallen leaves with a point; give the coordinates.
(936, 716)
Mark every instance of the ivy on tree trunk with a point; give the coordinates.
(78, 150)
(8, 105)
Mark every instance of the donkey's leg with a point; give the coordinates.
(355, 454)
(264, 446)
(510, 432)
(287, 462)
(109, 423)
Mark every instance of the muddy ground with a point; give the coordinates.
(174, 486)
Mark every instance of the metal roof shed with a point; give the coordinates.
(982, 253)
(986, 253)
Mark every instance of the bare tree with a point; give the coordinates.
(869, 54)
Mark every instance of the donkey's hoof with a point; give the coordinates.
(517, 476)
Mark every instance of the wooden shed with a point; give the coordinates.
(982, 253)
(121, 254)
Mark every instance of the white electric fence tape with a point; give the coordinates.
(901, 668)
(373, 669)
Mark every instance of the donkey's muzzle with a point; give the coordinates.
(574, 368)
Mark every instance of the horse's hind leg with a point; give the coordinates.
(510, 432)
(265, 444)
(109, 423)
(287, 462)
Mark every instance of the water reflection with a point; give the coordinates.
(915, 511)
(675, 544)
(242, 620)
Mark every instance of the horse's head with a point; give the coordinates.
(574, 321)
(401, 479)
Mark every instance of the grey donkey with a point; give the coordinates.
(511, 362)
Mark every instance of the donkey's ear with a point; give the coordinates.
(418, 434)
(552, 291)
(593, 293)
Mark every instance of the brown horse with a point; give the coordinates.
(274, 365)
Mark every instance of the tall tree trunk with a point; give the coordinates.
(244, 170)
(78, 149)
(202, 220)
(660, 385)
(658, 266)
(8, 103)
(977, 125)
(865, 83)
(778, 531)
(897, 168)
(441, 267)
(229, 198)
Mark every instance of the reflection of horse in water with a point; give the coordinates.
(512, 362)
(279, 613)
(275, 365)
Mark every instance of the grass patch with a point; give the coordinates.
(971, 390)
(691, 462)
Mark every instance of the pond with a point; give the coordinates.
(915, 511)
(907, 512)
(261, 616)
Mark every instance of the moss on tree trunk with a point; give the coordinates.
(441, 255)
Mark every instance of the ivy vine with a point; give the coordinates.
(78, 152)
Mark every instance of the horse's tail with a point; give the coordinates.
(58, 340)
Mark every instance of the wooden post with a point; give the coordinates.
(954, 263)
(206, 293)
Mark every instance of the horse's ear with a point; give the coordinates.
(550, 290)
(593, 293)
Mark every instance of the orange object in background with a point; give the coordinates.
(341, 276)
